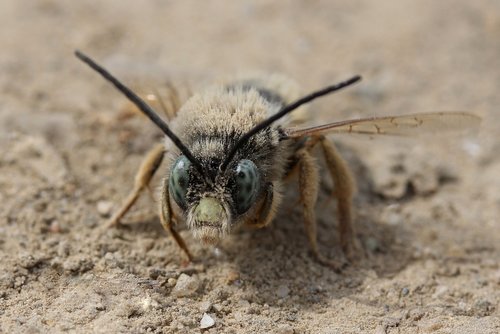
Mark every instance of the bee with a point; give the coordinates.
(231, 148)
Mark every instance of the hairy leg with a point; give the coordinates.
(166, 219)
(344, 191)
(308, 184)
(144, 175)
(268, 207)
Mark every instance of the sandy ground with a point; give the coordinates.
(427, 209)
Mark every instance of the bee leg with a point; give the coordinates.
(148, 167)
(344, 191)
(308, 184)
(166, 219)
(268, 208)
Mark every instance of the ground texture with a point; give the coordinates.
(427, 209)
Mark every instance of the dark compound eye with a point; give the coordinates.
(179, 180)
(247, 180)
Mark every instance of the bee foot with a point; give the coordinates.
(353, 251)
(336, 265)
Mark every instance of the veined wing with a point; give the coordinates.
(406, 125)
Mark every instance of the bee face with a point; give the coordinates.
(212, 207)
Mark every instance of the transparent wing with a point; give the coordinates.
(407, 125)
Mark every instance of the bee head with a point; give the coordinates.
(212, 208)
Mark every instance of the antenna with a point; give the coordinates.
(285, 110)
(144, 107)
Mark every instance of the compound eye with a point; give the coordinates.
(247, 180)
(179, 180)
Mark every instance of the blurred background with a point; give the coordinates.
(427, 209)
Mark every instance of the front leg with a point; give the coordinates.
(144, 175)
(268, 206)
(308, 184)
(166, 219)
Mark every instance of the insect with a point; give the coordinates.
(230, 151)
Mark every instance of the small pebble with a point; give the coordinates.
(185, 286)
(282, 291)
(148, 303)
(205, 306)
(391, 321)
(440, 291)
(77, 264)
(28, 261)
(100, 307)
(54, 227)
(232, 276)
(285, 329)
(171, 282)
(405, 291)
(380, 329)
(218, 252)
(206, 321)
(63, 249)
(483, 308)
(104, 208)
(218, 308)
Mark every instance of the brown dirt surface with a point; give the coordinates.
(427, 209)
